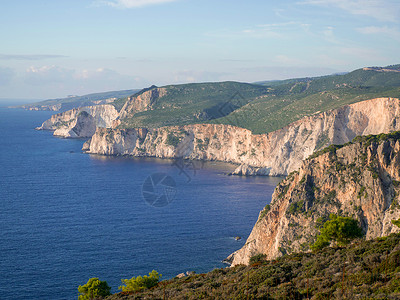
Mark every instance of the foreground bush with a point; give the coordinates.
(140, 283)
(94, 288)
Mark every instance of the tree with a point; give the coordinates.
(140, 283)
(340, 230)
(94, 288)
(396, 222)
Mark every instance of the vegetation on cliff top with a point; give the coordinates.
(366, 140)
(290, 101)
(194, 103)
(362, 270)
(265, 107)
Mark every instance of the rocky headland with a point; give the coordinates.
(360, 179)
(81, 122)
(276, 153)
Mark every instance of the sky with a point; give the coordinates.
(52, 49)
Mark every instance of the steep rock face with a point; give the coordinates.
(200, 142)
(84, 125)
(275, 153)
(115, 141)
(361, 180)
(141, 102)
(81, 122)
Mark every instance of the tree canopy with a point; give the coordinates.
(340, 230)
(139, 283)
(94, 288)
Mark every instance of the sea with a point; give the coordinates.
(67, 216)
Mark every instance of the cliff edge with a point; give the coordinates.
(360, 179)
(276, 153)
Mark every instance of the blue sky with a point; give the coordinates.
(56, 48)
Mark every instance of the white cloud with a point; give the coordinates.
(262, 31)
(257, 33)
(387, 31)
(382, 10)
(132, 3)
(329, 35)
(65, 81)
(47, 74)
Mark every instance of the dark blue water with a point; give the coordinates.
(67, 216)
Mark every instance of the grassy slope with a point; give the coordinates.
(292, 101)
(195, 103)
(264, 108)
(363, 270)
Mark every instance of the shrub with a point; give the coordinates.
(396, 222)
(172, 140)
(339, 229)
(264, 211)
(296, 208)
(257, 258)
(94, 288)
(140, 283)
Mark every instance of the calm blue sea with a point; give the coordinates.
(67, 216)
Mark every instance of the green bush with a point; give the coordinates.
(140, 283)
(396, 222)
(172, 140)
(257, 258)
(94, 288)
(264, 211)
(296, 208)
(339, 229)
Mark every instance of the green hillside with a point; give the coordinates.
(195, 103)
(363, 270)
(290, 101)
(265, 106)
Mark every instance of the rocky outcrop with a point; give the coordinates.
(361, 179)
(53, 107)
(246, 170)
(142, 101)
(116, 141)
(81, 122)
(275, 153)
(66, 124)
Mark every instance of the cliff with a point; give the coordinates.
(275, 153)
(142, 101)
(80, 122)
(360, 179)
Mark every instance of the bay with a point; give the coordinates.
(67, 216)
